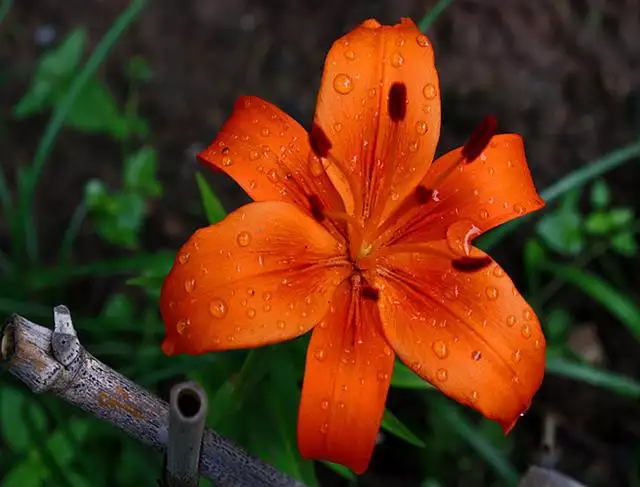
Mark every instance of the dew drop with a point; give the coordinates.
(324, 405)
(421, 127)
(266, 296)
(476, 355)
(251, 291)
(281, 324)
(337, 127)
(498, 272)
(372, 92)
(266, 308)
(382, 376)
(181, 326)
(387, 351)
(517, 355)
(440, 349)
(492, 293)
(422, 40)
(459, 236)
(350, 55)
(244, 239)
(253, 184)
(413, 146)
(484, 214)
(429, 91)
(511, 321)
(343, 84)
(184, 257)
(442, 374)
(254, 155)
(324, 428)
(226, 161)
(397, 60)
(526, 330)
(190, 284)
(527, 314)
(244, 302)
(265, 131)
(273, 176)
(519, 209)
(251, 313)
(474, 396)
(537, 344)
(218, 308)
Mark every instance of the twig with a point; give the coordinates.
(186, 427)
(56, 363)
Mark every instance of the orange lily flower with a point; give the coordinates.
(356, 234)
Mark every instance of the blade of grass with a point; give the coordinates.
(618, 304)
(463, 427)
(404, 378)
(572, 181)
(212, 206)
(56, 276)
(341, 470)
(618, 383)
(431, 16)
(397, 428)
(5, 7)
(71, 233)
(60, 112)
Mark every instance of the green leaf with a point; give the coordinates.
(140, 173)
(560, 230)
(394, 426)
(534, 257)
(94, 110)
(459, 424)
(25, 474)
(600, 194)
(615, 301)
(557, 325)
(620, 217)
(15, 410)
(52, 75)
(212, 206)
(118, 307)
(342, 471)
(625, 244)
(618, 383)
(598, 223)
(404, 378)
(139, 70)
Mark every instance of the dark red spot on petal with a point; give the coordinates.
(370, 292)
(317, 207)
(471, 264)
(423, 194)
(398, 102)
(320, 143)
(225, 150)
(480, 138)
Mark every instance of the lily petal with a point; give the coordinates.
(265, 274)
(379, 105)
(461, 324)
(476, 197)
(347, 376)
(268, 153)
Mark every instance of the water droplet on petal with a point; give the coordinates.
(190, 284)
(397, 60)
(517, 355)
(281, 324)
(537, 344)
(492, 293)
(324, 428)
(265, 131)
(527, 314)
(422, 40)
(498, 272)
(484, 214)
(254, 155)
(476, 355)
(251, 313)
(382, 376)
(519, 209)
(440, 349)
(350, 55)
(459, 236)
(474, 396)
(226, 161)
(324, 404)
(218, 308)
(421, 127)
(511, 321)
(343, 84)
(244, 239)
(181, 326)
(526, 330)
(337, 127)
(429, 91)
(442, 374)
(184, 257)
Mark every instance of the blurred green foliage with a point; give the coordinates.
(47, 443)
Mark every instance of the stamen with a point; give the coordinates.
(317, 207)
(421, 248)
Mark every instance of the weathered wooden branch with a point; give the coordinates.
(544, 477)
(56, 363)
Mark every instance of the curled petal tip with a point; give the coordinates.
(168, 347)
